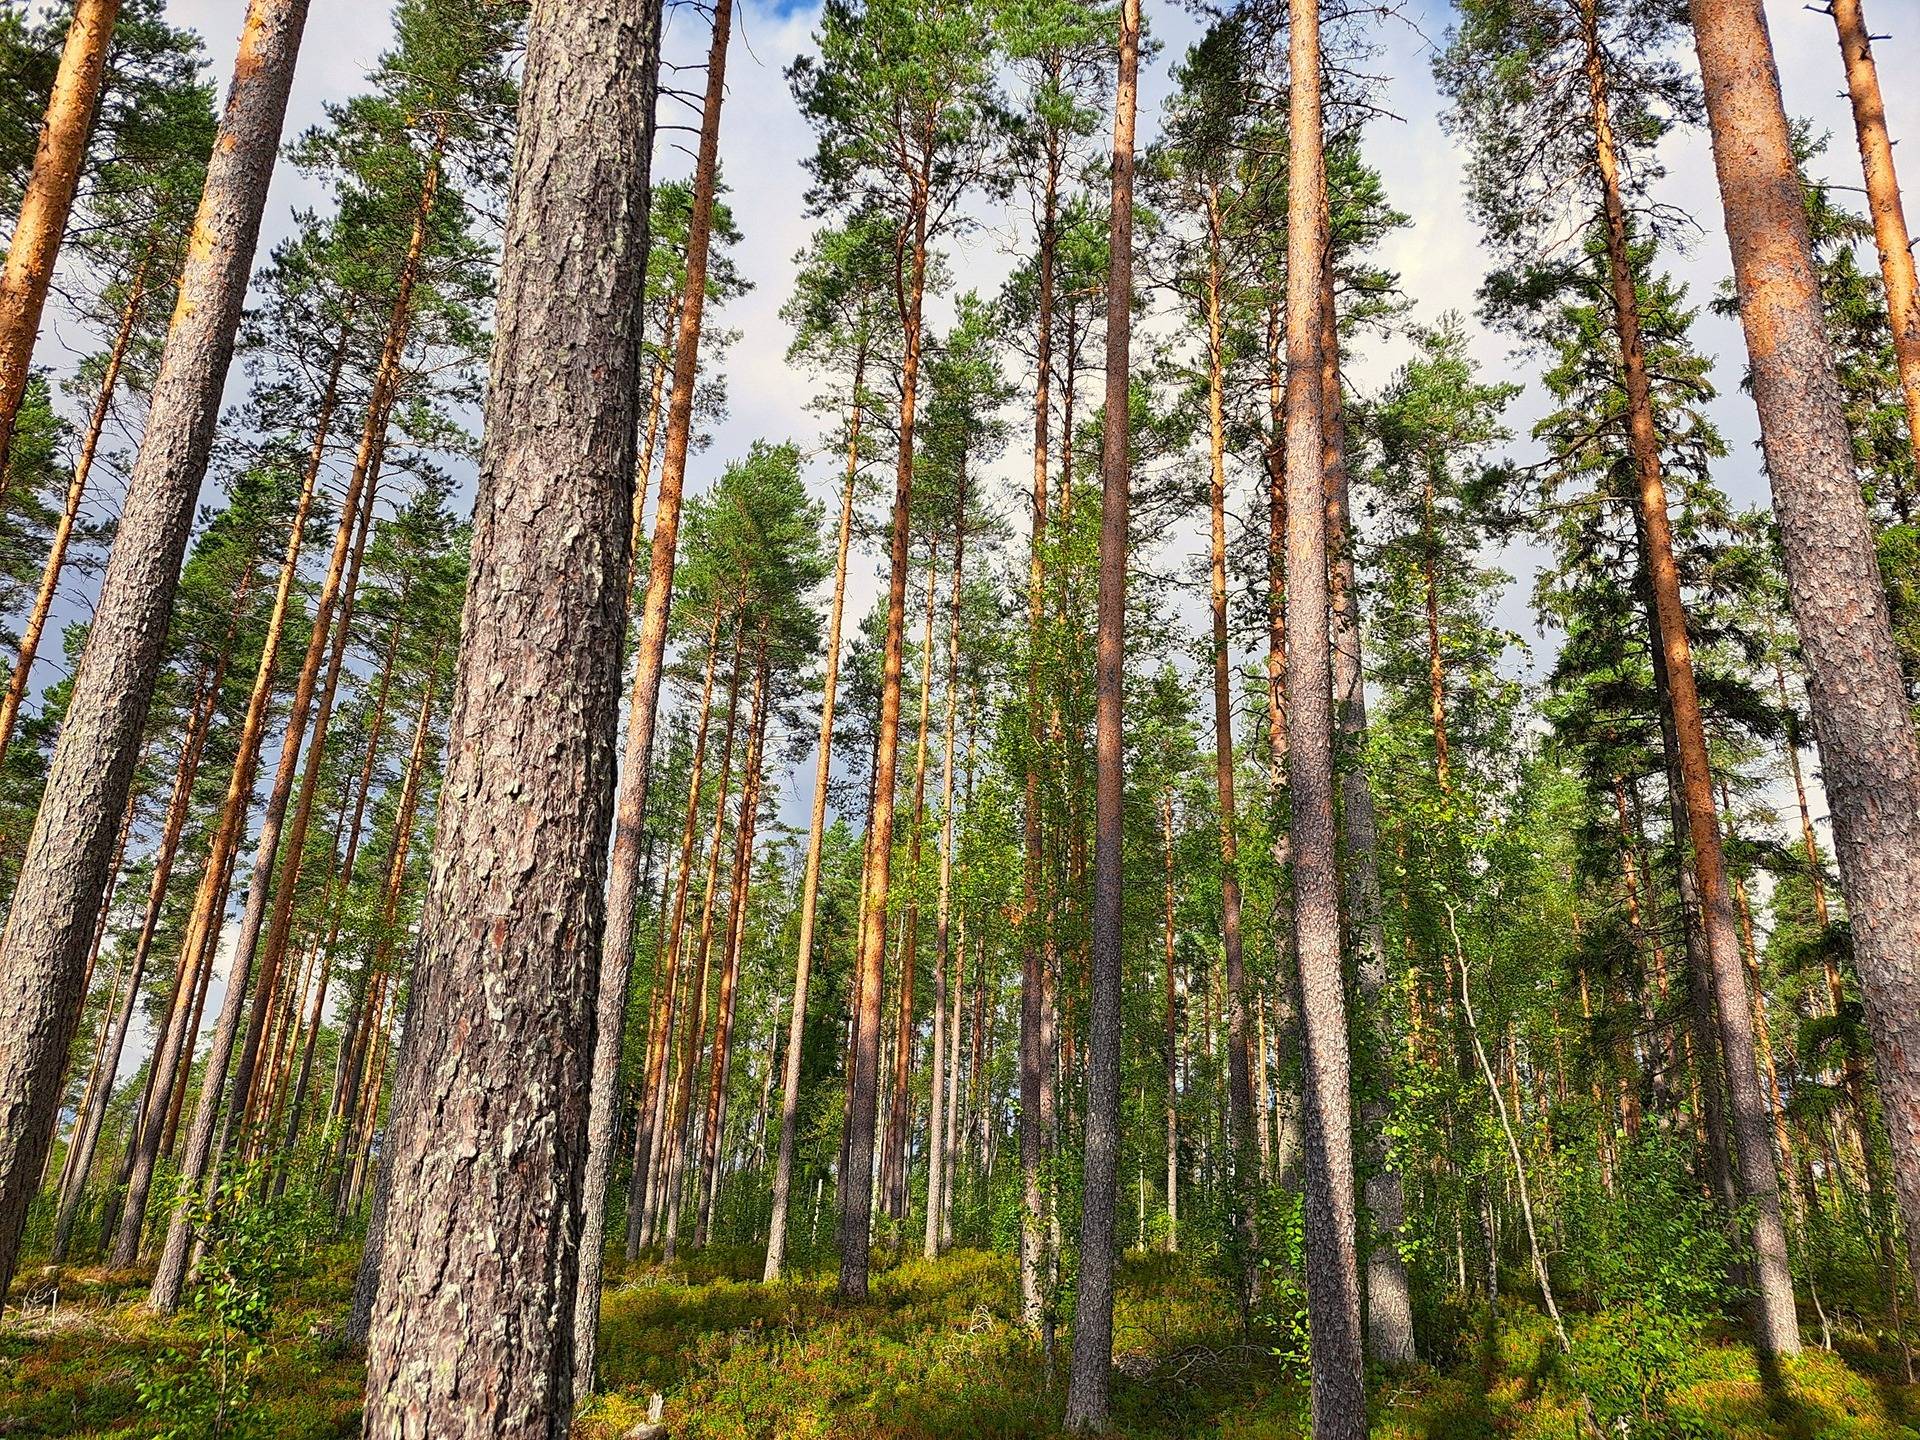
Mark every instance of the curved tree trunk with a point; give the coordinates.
(61, 876)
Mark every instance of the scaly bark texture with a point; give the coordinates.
(1867, 750)
(470, 1335)
(63, 870)
(57, 160)
(1089, 1380)
(1333, 1277)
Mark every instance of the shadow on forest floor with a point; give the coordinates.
(936, 1351)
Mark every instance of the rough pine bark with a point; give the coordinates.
(469, 1336)
(62, 872)
(1338, 1398)
(1089, 1378)
(58, 156)
(1864, 729)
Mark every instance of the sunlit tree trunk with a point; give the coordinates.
(62, 873)
(1866, 735)
(58, 158)
(1890, 236)
(816, 830)
(1777, 1329)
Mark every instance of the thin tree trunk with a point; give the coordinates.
(708, 1188)
(1173, 1033)
(70, 513)
(938, 1113)
(1090, 1375)
(1338, 1399)
(630, 806)
(649, 1140)
(510, 933)
(816, 830)
(1890, 236)
(350, 538)
(59, 155)
(61, 875)
(680, 1119)
(1239, 1071)
(1869, 762)
(857, 1212)
(1777, 1329)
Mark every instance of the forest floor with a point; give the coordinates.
(935, 1352)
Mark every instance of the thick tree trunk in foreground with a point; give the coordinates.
(34, 245)
(1776, 1328)
(1389, 1301)
(1090, 1377)
(810, 883)
(62, 872)
(630, 810)
(1333, 1277)
(1860, 713)
(1890, 236)
(490, 1150)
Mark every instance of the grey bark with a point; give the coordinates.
(62, 872)
(470, 1332)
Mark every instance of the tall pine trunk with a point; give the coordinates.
(1866, 735)
(62, 873)
(939, 1118)
(630, 808)
(1389, 1300)
(856, 1214)
(58, 157)
(1890, 236)
(1777, 1329)
(810, 881)
(1338, 1399)
(1090, 1375)
(509, 952)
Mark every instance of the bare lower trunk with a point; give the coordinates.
(810, 884)
(509, 950)
(630, 807)
(61, 876)
(1333, 1278)
(938, 1112)
(1389, 1300)
(1090, 1376)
